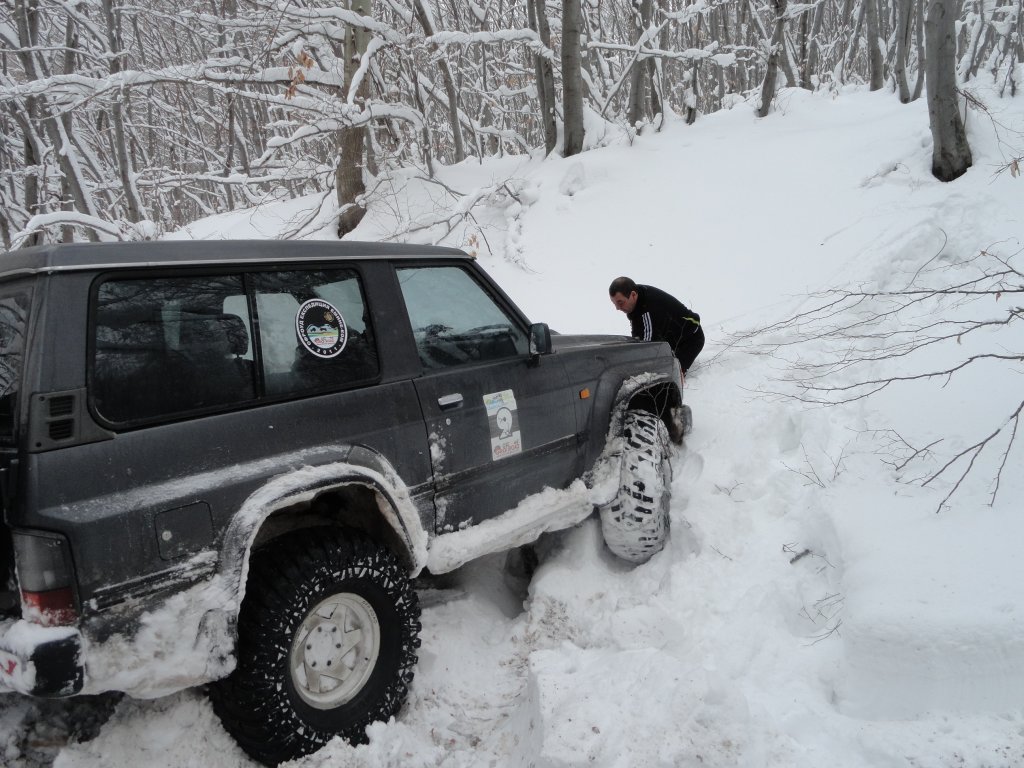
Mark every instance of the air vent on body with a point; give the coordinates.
(58, 420)
(63, 405)
(63, 429)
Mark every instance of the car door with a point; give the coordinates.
(501, 425)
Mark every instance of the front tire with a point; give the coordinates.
(636, 524)
(327, 639)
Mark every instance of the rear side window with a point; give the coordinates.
(171, 345)
(14, 307)
(314, 330)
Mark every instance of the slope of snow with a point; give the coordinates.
(812, 607)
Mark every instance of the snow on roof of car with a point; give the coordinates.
(87, 256)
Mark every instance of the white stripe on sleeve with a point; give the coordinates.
(648, 329)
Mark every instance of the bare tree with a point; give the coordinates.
(905, 10)
(776, 50)
(951, 154)
(572, 77)
(449, 81)
(876, 64)
(545, 73)
(352, 139)
(640, 75)
(166, 111)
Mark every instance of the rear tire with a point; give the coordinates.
(636, 524)
(327, 639)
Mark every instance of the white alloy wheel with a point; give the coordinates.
(334, 651)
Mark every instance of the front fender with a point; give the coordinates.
(616, 391)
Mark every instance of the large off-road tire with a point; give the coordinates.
(327, 639)
(636, 524)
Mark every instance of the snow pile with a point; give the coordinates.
(811, 607)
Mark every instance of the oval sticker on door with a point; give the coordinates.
(320, 328)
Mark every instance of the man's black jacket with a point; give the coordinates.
(659, 316)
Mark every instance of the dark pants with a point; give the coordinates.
(689, 348)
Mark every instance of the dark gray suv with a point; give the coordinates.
(225, 462)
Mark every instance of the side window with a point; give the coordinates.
(455, 320)
(13, 319)
(169, 345)
(314, 330)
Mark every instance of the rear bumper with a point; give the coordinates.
(40, 661)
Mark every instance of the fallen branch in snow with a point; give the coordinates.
(950, 317)
(722, 553)
(974, 451)
(805, 552)
(897, 439)
(728, 491)
(825, 610)
(812, 474)
(799, 556)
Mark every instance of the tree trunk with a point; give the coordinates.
(34, 149)
(854, 41)
(921, 60)
(771, 71)
(876, 63)
(951, 154)
(814, 51)
(349, 181)
(545, 74)
(1009, 54)
(572, 77)
(638, 81)
(803, 72)
(449, 83)
(975, 33)
(905, 9)
(428, 141)
(691, 108)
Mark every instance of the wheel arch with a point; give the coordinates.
(363, 493)
(658, 397)
(656, 392)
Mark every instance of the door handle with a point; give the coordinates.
(447, 402)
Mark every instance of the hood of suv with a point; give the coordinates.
(576, 340)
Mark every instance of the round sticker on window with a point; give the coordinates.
(320, 328)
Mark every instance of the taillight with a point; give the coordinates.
(53, 608)
(43, 562)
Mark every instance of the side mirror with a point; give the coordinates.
(540, 340)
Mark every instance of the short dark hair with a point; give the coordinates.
(623, 285)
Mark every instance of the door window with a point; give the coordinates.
(455, 321)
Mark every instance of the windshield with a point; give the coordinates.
(14, 306)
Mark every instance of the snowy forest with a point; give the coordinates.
(127, 120)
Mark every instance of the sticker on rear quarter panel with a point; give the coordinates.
(503, 419)
(320, 328)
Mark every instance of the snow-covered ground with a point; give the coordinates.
(813, 608)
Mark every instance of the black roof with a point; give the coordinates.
(83, 256)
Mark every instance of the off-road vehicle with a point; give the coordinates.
(224, 463)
